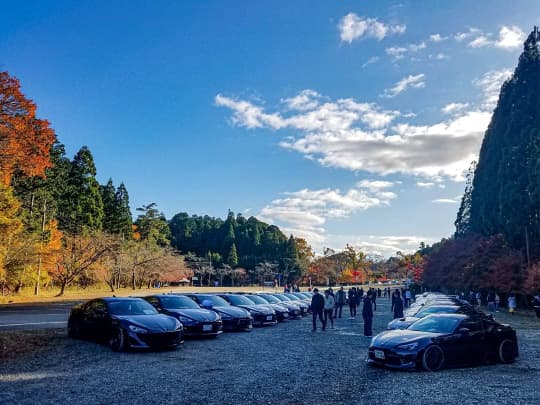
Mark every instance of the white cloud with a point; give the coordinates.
(361, 136)
(454, 200)
(370, 61)
(510, 37)
(411, 81)
(439, 56)
(353, 27)
(490, 83)
(305, 100)
(378, 245)
(454, 108)
(425, 184)
(437, 38)
(399, 52)
(305, 212)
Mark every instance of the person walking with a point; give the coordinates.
(536, 304)
(367, 314)
(317, 308)
(397, 305)
(491, 301)
(340, 301)
(351, 295)
(512, 304)
(329, 304)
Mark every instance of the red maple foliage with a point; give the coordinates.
(25, 141)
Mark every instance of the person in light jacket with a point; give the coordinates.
(512, 304)
(329, 303)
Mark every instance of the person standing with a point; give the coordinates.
(374, 298)
(408, 297)
(397, 305)
(329, 304)
(497, 302)
(351, 295)
(367, 314)
(340, 301)
(512, 303)
(536, 304)
(491, 301)
(317, 308)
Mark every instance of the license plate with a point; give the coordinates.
(379, 354)
(207, 328)
(269, 317)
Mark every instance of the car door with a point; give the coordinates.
(473, 343)
(97, 320)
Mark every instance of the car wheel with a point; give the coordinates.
(117, 340)
(74, 331)
(433, 358)
(507, 351)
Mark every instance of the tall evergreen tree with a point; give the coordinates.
(109, 207)
(463, 220)
(505, 197)
(232, 258)
(83, 204)
(123, 216)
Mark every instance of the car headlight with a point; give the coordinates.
(137, 329)
(178, 326)
(408, 346)
(225, 317)
(186, 321)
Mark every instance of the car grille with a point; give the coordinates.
(216, 327)
(160, 339)
(390, 358)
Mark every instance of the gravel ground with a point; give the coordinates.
(283, 364)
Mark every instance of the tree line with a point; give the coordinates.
(58, 225)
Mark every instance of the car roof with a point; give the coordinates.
(455, 316)
(114, 299)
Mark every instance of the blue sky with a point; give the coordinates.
(343, 122)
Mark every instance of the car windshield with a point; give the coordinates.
(271, 299)
(177, 302)
(256, 299)
(281, 297)
(239, 300)
(436, 310)
(292, 297)
(214, 299)
(435, 324)
(131, 307)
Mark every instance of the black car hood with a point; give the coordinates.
(197, 314)
(278, 307)
(235, 312)
(396, 337)
(263, 309)
(402, 323)
(154, 323)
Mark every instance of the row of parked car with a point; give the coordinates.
(162, 321)
(442, 330)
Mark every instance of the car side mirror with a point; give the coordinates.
(463, 331)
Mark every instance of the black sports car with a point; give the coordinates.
(233, 318)
(196, 320)
(441, 340)
(304, 306)
(124, 323)
(405, 322)
(282, 312)
(287, 300)
(293, 309)
(261, 314)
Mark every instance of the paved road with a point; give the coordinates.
(38, 316)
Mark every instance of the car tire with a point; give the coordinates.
(507, 351)
(118, 340)
(433, 358)
(74, 331)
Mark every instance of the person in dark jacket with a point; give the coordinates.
(374, 299)
(367, 314)
(352, 302)
(317, 308)
(397, 304)
(536, 304)
(340, 301)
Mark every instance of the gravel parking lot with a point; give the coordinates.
(287, 364)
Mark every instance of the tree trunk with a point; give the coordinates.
(62, 289)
